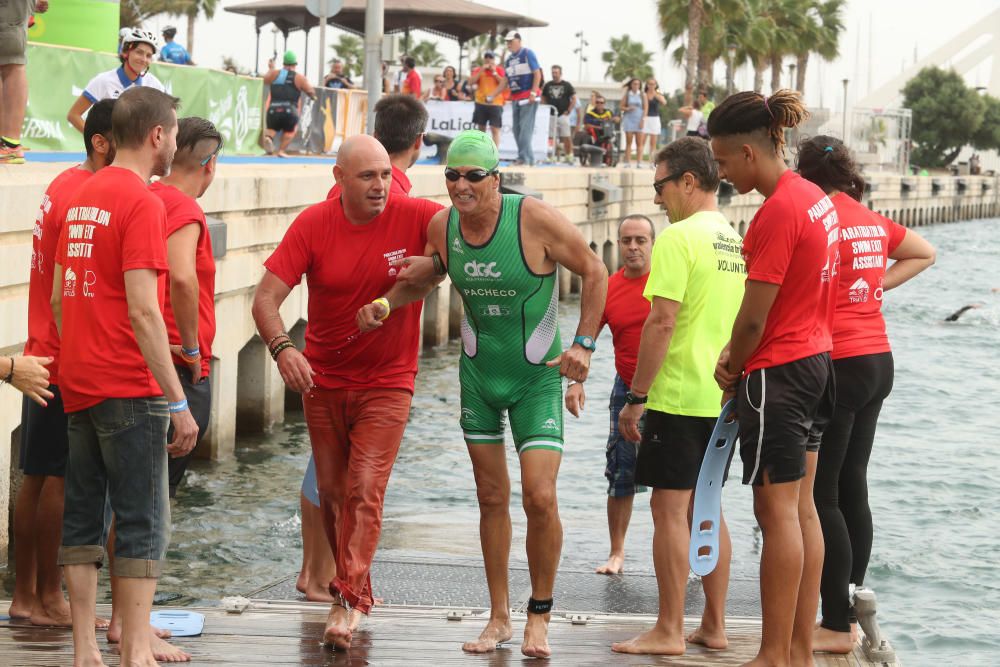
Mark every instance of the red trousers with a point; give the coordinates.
(355, 438)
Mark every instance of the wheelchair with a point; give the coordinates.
(595, 145)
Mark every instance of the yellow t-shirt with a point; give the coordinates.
(696, 262)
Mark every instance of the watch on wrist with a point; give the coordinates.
(632, 399)
(586, 342)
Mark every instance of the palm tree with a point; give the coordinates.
(133, 13)
(477, 46)
(822, 36)
(426, 54)
(196, 7)
(627, 59)
(351, 50)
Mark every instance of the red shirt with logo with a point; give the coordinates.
(625, 311)
(183, 210)
(400, 184)
(113, 224)
(866, 240)
(793, 242)
(347, 266)
(43, 336)
(411, 84)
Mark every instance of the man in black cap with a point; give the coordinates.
(172, 52)
(490, 85)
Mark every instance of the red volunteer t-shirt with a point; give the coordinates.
(113, 224)
(793, 242)
(43, 336)
(347, 266)
(411, 84)
(400, 185)
(866, 240)
(183, 210)
(625, 312)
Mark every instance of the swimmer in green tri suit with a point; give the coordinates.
(501, 252)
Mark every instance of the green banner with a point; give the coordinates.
(87, 24)
(57, 77)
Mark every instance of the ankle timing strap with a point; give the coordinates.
(539, 606)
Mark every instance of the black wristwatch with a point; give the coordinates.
(632, 399)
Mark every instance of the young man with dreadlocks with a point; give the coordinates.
(777, 363)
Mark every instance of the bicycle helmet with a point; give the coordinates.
(137, 35)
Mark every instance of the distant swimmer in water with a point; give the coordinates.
(961, 311)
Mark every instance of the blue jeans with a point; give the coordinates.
(118, 452)
(524, 128)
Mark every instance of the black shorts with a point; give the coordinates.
(487, 114)
(672, 449)
(44, 442)
(783, 411)
(282, 119)
(199, 398)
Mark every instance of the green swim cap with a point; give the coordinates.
(290, 58)
(473, 148)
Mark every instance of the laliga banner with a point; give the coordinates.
(450, 118)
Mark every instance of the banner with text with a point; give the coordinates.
(57, 77)
(450, 118)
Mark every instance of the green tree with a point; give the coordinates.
(821, 36)
(947, 114)
(987, 137)
(426, 53)
(194, 8)
(351, 50)
(477, 46)
(133, 13)
(627, 59)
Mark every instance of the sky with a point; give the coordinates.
(880, 39)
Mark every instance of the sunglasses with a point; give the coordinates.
(472, 176)
(218, 149)
(658, 185)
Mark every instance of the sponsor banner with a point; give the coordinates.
(450, 118)
(315, 131)
(57, 77)
(85, 24)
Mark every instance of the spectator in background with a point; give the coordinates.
(451, 84)
(438, 92)
(14, 15)
(562, 96)
(652, 128)
(695, 119)
(524, 76)
(488, 84)
(336, 78)
(386, 82)
(172, 52)
(633, 109)
(410, 83)
(706, 104)
(283, 111)
(138, 49)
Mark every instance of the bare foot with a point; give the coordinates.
(652, 642)
(302, 583)
(496, 632)
(115, 631)
(338, 628)
(88, 659)
(268, 144)
(615, 565)
(356, 618)
(282, 154)
(831, 641)
(164, 652)
(19, 609)
(536, 636)
(716, 640)
(317, 593)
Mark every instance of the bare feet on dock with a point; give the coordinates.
(356, 618)
(57, 614)
(496, 632)
(165, 652)
(831, 641)
(652, 642)
(20, 609)
(615, 565)
(536, 636)
(317, 593)
(709, 638)
(338, 629)
(88, 659)
(115, 631)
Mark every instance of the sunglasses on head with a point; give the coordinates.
(218, 149)
(472, 176)
(658, 185)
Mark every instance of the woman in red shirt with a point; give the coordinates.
(777, 363)
(862, 364)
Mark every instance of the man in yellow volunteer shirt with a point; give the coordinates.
(695, 286)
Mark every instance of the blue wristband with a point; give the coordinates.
(193, 352)
(179, 406)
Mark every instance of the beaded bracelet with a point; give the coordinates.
(280, 347)
(177, 406)
(271, 342)
(10, 376)
(193, 352)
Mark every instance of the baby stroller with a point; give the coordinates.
(598, 145)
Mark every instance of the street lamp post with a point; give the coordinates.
(844, 128)
(582, 58)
